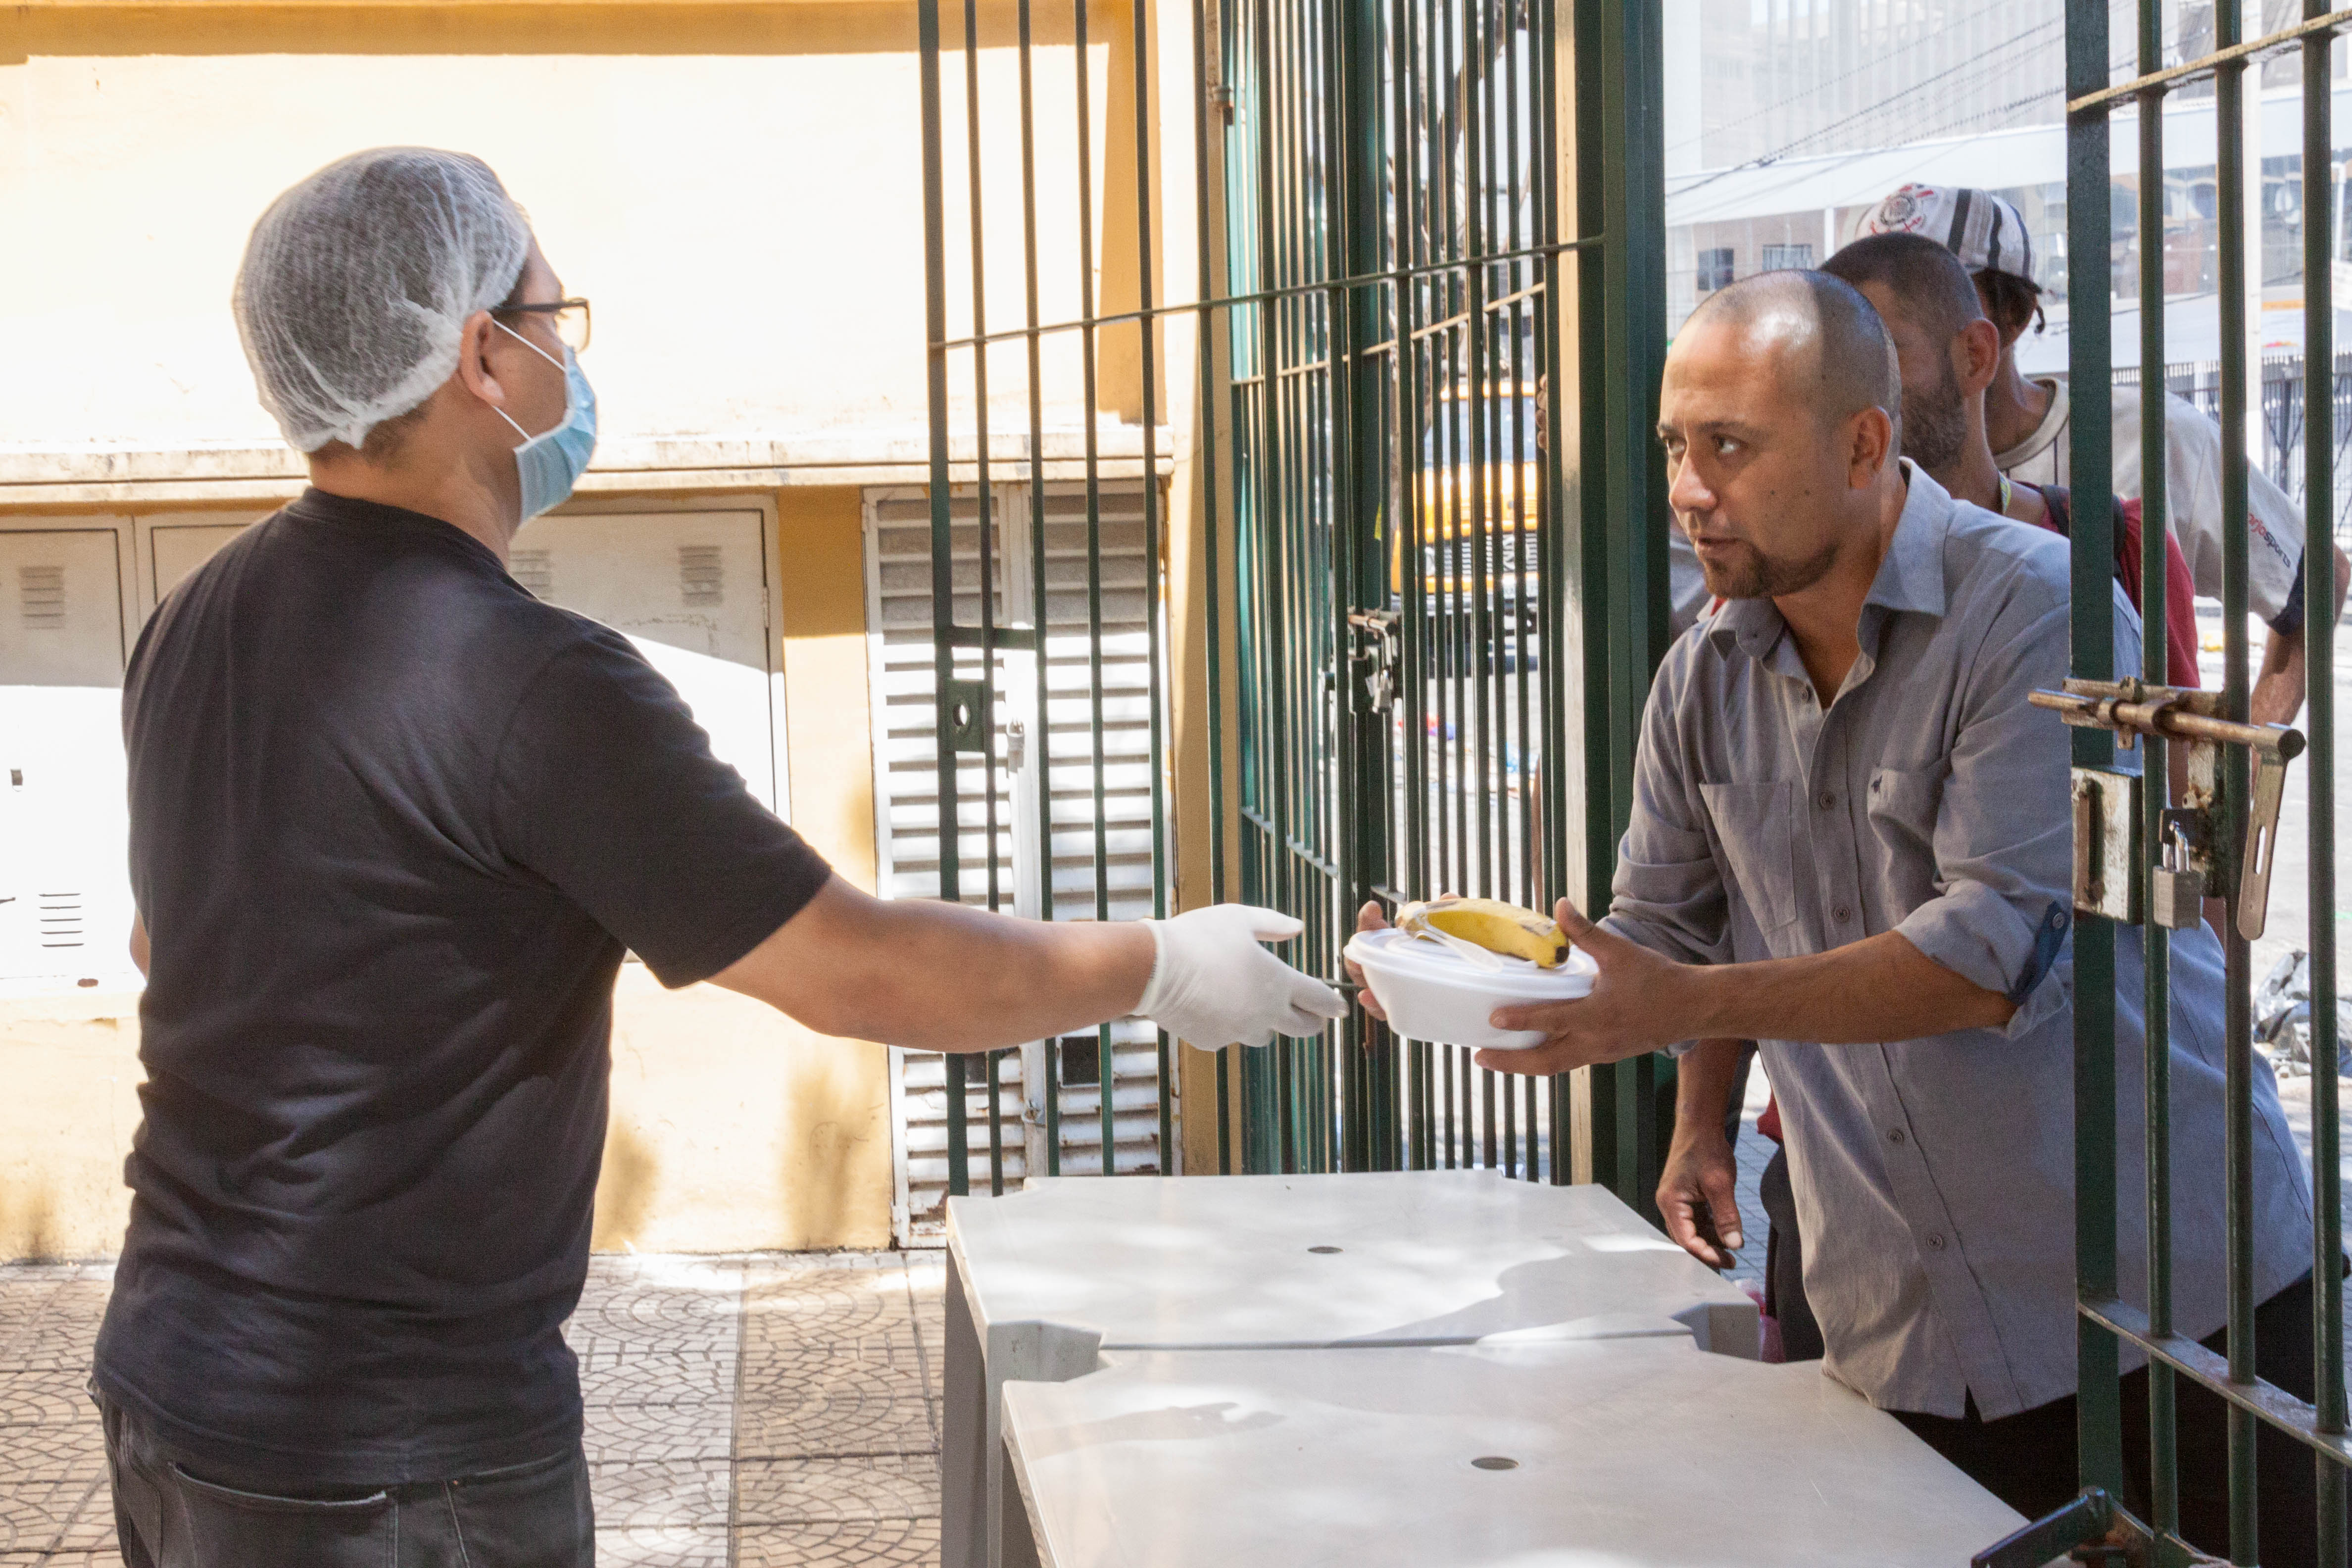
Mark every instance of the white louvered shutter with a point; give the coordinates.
(907, 801)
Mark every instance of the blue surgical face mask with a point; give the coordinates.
(552, 462)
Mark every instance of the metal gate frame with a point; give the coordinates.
(1328, 308)
(2105, 1323)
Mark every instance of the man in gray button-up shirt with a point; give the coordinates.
(1851, 841)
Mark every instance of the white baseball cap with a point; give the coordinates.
(1985, 231)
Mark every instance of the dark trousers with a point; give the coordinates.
(172, 1511)
(2029, 1460)
(1784, 1264)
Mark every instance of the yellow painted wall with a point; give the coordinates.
(734, 1128)
(70, 1063)
(737, 187)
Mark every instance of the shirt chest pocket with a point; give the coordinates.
(1754, 825)
(1904, 804)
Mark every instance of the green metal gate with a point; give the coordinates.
(2235, 772)
(1422, 231)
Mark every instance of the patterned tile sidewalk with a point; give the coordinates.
(767, 1411)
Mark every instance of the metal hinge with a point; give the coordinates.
(2193, 836)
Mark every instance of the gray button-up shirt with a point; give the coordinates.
(1933, 1177)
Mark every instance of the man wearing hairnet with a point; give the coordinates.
(392, 824)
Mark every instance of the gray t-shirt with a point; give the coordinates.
(2192, 469)
(393, 821)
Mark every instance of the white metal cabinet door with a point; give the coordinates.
(66, 828)
(176, 549)
(690, 590)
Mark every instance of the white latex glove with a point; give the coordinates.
(1213, 986)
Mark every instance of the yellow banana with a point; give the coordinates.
(1494, 925)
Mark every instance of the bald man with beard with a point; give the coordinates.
(1851, 842)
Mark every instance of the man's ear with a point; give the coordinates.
(1870, 446)
(474, 340)
(1976, 356)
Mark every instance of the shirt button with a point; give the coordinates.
(1895, 1135)
(1935, 1241)
(1829, 800)
(1843, 913)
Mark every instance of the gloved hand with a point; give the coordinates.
(1212, 985)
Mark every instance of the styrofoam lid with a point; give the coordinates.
(1394, 951)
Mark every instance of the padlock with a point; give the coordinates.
(2176, 889)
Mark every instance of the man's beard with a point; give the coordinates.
(1752, 574)
(1935, 423)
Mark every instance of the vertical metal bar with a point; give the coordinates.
(995, 1126)
(1405, 540)
(2099, 1411)
(1597, 461)
(1369, 323)
(935, 313)
(1106, 1051)
(1053, 1097)
(1275, 1097)
(984, 496)
(2229, 91)
(1041, 744)
(2319, 219)
(1225, 1117)
(1204, 446)
(1552, 609)
(2164, 1489)
(1632, 515)
(1147, 327)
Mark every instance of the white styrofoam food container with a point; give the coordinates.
(1432, 993)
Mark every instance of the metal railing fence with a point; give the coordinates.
(1423, 229)
(2220, 828)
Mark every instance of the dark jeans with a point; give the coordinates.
(172, 1511)
(2029, 1460)
(1784, 1264)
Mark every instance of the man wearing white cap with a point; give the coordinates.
(2026, 419)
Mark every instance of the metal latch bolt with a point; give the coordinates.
(1374, 657)
(2193, 846)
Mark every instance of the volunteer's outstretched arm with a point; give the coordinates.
(939, 978)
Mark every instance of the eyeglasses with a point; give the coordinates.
(570, 316)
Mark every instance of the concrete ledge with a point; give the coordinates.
(41, 477)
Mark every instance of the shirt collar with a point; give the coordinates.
(1910, 577)
(2045, 435)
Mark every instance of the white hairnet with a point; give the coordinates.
(356, 281)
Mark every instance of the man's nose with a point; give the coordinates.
(1689, 492)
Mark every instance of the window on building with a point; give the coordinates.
(1776, 256)
(1713, 270)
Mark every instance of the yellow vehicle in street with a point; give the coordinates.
(1477, 495)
